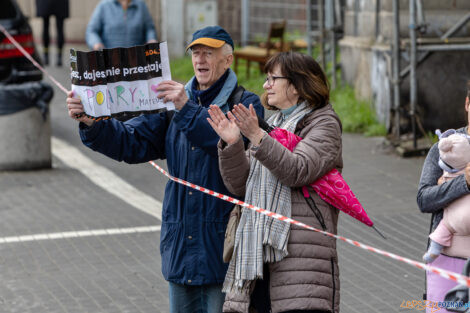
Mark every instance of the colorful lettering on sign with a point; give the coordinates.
(151, 52)
(154, 88)
(128, 96)
(99, 98)
(119, 91)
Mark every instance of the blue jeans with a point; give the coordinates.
(196, 299)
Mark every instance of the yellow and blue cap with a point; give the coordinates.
(211, 36)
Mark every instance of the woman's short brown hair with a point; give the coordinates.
(304, 73)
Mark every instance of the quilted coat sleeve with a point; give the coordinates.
(234, 166)
(314, 156)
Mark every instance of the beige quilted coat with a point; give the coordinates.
(308, 278)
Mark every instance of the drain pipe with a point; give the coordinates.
(396, 65)
(245, 22)
(413, 81)
(309, 27)
(321, 22)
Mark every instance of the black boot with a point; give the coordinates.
(59, 59)
(46, 58)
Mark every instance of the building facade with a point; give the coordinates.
(366, 60)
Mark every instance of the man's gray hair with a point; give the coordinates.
(227, 49)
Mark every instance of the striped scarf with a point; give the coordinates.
(260, 239)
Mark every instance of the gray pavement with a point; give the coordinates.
(97, 272)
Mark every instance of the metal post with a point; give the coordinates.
(309, 27)
(332, 22)
(321, 27)
(377, 19)
(245, 21)
(413, 81)
(462, 22)
(356, 18)
(444, 47)
(164, 22)
(396, 65)
(333, 60)
(420, 20)
(338, 18)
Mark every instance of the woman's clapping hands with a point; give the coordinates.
(247, 122)
(240, 120)
(226, 128)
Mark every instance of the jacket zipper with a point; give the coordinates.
(316, 211)
(334, 285)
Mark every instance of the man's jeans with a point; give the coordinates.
(196, 299)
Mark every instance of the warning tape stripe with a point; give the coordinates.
(29, 57)
(461, 279)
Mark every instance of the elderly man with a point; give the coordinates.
(194, 223)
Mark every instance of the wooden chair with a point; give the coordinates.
(262, 54)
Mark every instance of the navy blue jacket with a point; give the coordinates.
(193, 223)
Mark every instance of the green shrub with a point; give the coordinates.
(357, 116)
(181, 69)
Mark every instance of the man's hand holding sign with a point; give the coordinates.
(171, 91)
(76, 109)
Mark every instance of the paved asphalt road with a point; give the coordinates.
(103, 269)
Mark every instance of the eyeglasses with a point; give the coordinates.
(271, 79)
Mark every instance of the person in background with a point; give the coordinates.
(284, 268)
(45, 9)
(454, 155)
(120, 23)
(434, 194)
(193, 223)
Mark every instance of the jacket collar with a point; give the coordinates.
(207, 96)
(225, 92)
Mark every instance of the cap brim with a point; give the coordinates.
(210, 42)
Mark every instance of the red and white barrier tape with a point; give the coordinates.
(464, 280)
(458, 278)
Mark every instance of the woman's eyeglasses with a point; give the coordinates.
(271, 79)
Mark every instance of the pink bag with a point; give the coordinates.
(438, 286)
